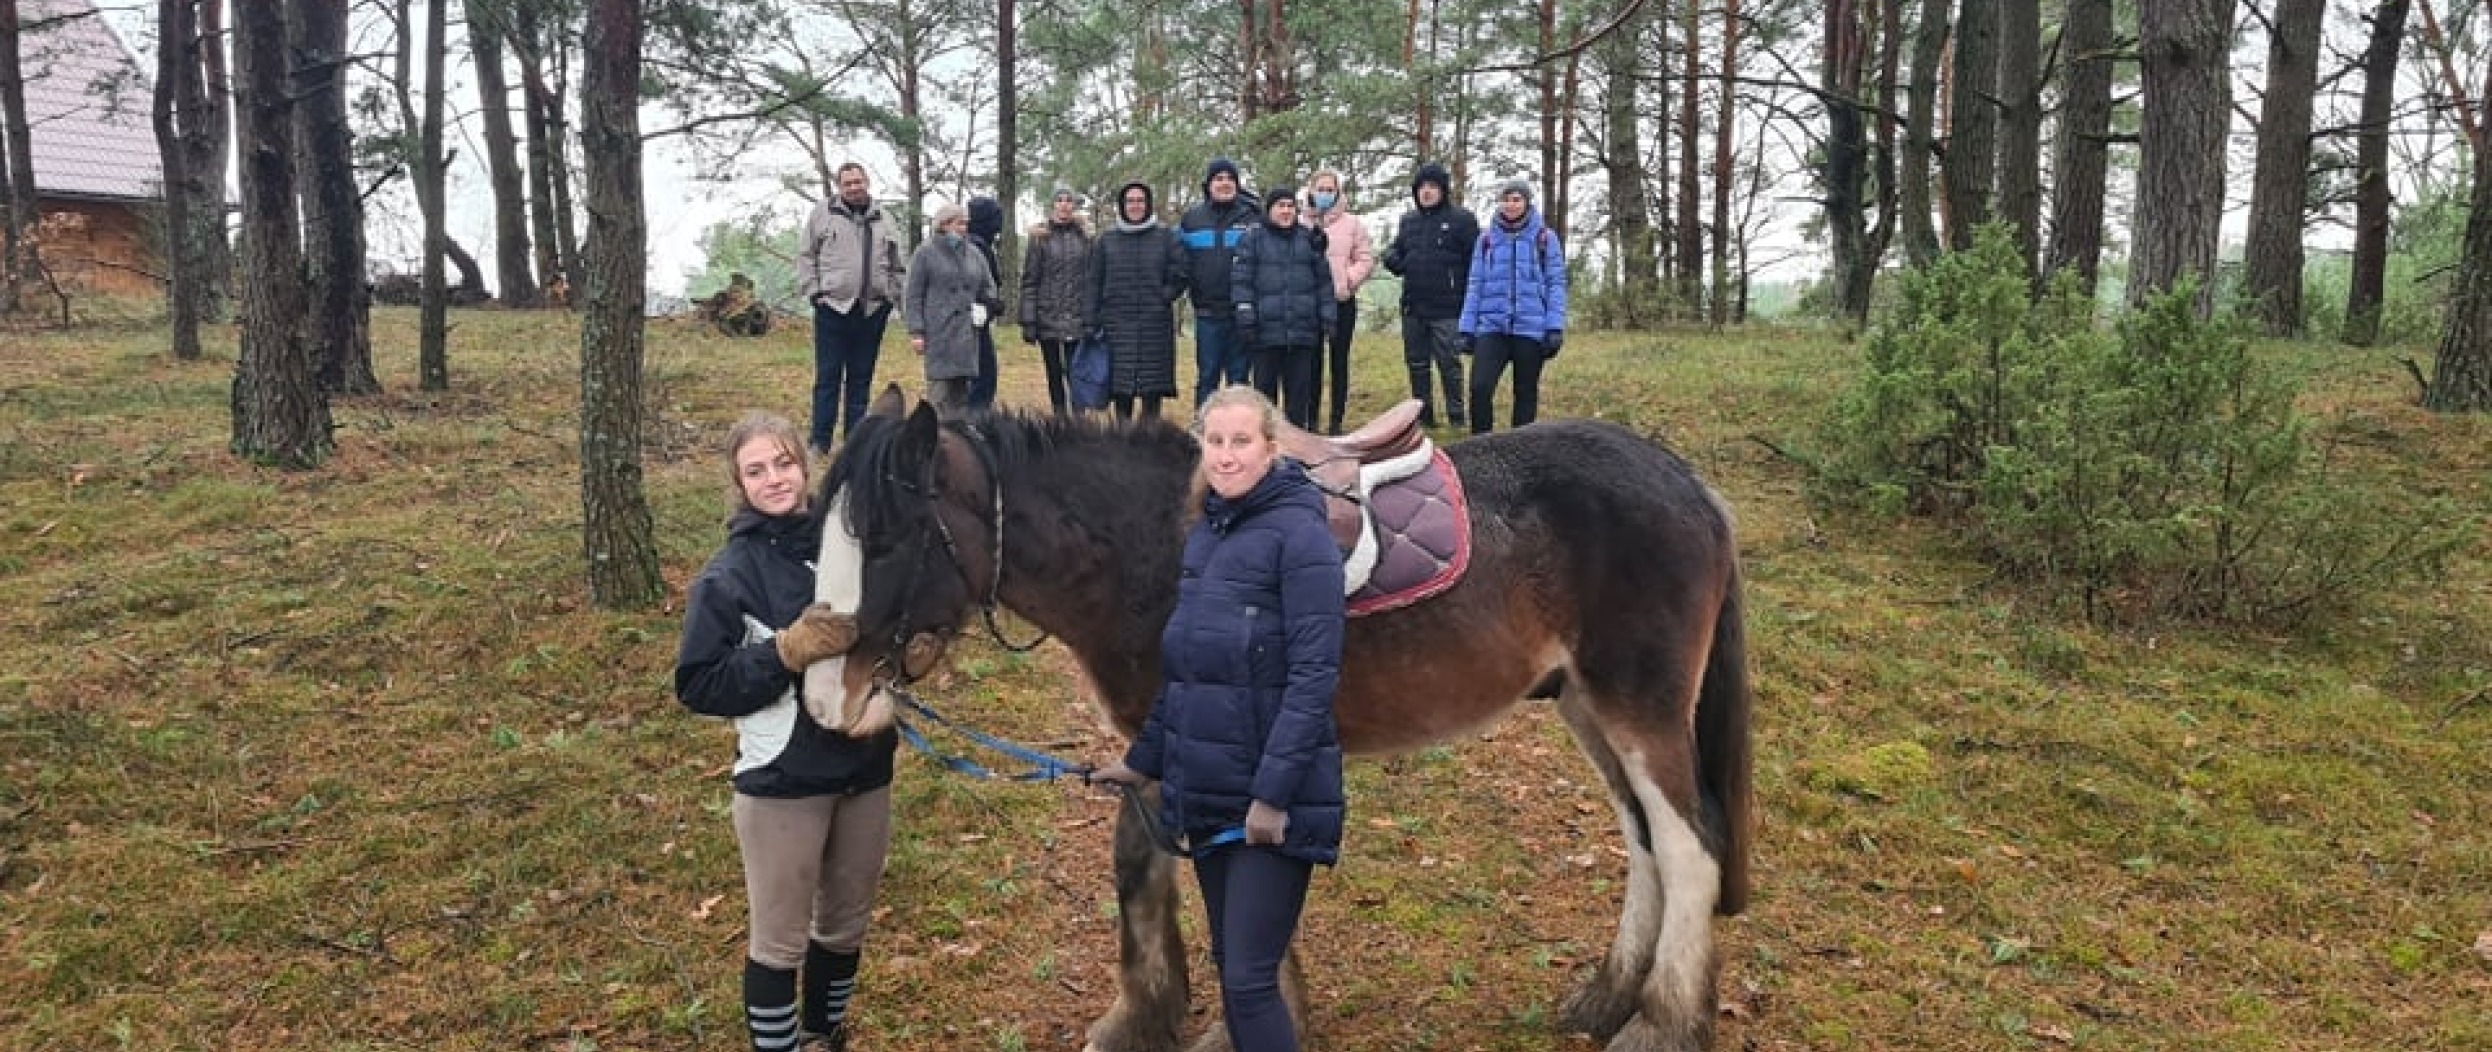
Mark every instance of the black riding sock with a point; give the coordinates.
(770, 1006)
(830, 978)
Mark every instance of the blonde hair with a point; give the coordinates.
(759, 424)
(1338, 185)
(1241, 395)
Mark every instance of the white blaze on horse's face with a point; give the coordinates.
(1236, 453)
(839, 694)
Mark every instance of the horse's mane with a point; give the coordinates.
(1134, 460)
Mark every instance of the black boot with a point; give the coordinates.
(769, 1005)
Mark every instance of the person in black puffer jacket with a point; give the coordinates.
(1431, 251)
(1283, 285)
(1242, 735)
(1055, 287)
(1137, 273)
(812, 809)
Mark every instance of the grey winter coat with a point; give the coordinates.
(944, 281)
(834, 260)
(1055, 281)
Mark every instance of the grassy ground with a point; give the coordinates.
(340, 760)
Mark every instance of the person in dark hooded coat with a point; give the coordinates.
(1283, 283)
(986, 223)
(1211, 230)
(1137, 274)
(1431, 251)
(1242, 735)
(1055, 288)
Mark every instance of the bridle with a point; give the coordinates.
(897, 671)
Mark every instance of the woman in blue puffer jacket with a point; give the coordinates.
(1515, 308)
(1242, 735)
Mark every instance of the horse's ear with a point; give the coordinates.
(890, 403)
(920, 436)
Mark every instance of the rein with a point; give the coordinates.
(995, 583)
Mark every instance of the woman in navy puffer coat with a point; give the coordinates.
(1242, 735)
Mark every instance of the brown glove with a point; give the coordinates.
(820, 632)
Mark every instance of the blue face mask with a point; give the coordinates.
(1323, 200)
(951, 239)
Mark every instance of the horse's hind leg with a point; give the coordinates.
(1150, 1010)
(1605, 1001)
(1655, 990)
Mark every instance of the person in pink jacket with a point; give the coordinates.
(1353, 257)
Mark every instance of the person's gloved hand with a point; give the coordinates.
(1265, 824)
(1465, 342)
(1029, 335)
(977, 315)
(1393, 259)
(1549, 347)
(1116, 773)
(820, 632)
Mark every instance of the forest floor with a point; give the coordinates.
(342, 760)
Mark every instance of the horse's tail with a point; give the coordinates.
(1723, 751)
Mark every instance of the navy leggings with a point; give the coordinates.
(1252, 896)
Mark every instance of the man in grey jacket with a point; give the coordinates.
(850, 269)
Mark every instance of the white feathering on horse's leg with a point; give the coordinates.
(1679, 998)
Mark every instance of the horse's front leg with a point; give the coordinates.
(1149, 1014)
(1293, 994)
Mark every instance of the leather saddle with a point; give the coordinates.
(1335, 463)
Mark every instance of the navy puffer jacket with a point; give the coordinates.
(1251, 657)
(1285, 283)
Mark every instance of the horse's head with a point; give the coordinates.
(906, 531)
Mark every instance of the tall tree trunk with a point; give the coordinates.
(1631, 225)
(339, 323)
(1973, 141)
(2369, 285)
(1720, 296)
(485, 33)
(541, 221)
(208, 136)
(18, 254)
(184, 269)
(2020, 126)
(618, 535)
(1559, 206)
(1008, 138)
(2280, 185)
(1929, 49)
(1888, 42)
(1846, 155)
(2080, 156)
(280, 414)
(1551, 149)
(2461, 376)
(432, 357)
(1423, 88)
(2184, 53)
(1691, 228)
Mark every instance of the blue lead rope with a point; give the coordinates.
(1043, 767)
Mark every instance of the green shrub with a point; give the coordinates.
(2158, 468)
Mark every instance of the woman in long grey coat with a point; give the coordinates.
(1137, 273)
(950, 297)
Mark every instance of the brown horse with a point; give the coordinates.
(1603, 575)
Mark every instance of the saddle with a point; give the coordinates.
(1335, 464)
(1393, 503)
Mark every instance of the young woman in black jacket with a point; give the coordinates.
(812, 808)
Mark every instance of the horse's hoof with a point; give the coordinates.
(1640, 1035)
(1117, 1032)
(1598, 1008)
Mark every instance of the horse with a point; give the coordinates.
(1603, 576)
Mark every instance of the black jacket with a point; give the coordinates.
(1211, 232)
(1284, 282)
(1137, 271)
(1055, 281)
(728, 667)
(1431, 251)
